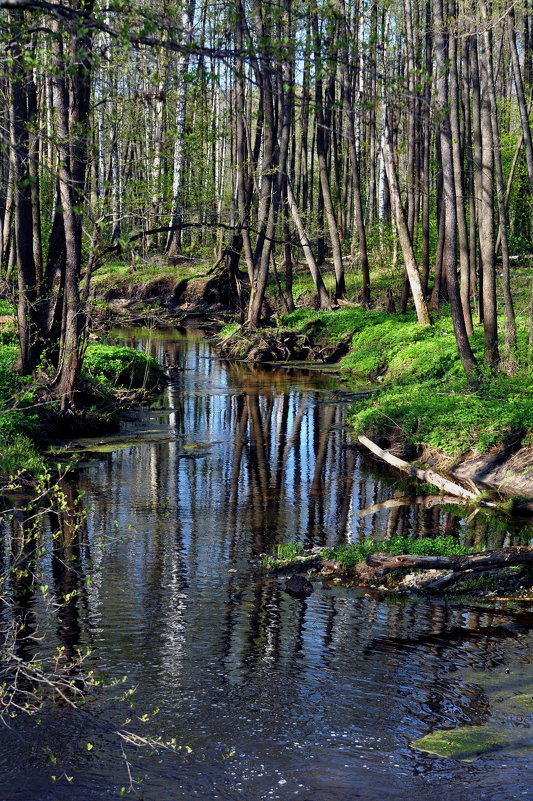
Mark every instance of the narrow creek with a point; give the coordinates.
(270, 697)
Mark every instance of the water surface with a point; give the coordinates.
(270, 697)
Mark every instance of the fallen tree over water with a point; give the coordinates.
(429, 476)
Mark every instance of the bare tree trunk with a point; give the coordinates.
(340, 286)
(466, 354)
(478, 154)
(354, 159)
(182, 62)
(323, 297)
(69, 363)
(265, 218)
(457, 155)
(27, 283)
(510, 324)
(486, 220)
(411, 266)
(520, 95)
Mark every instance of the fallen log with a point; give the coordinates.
(503, 557)
(428, 476)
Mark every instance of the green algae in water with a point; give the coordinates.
(465, 744)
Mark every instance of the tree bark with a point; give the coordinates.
(466, 354)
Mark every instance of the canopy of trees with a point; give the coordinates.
(308, 131)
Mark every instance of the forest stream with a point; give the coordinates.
(267, 696)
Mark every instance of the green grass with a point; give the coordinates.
(449, 418)
(19, 419)
(121, 366)
(117, 272)
(425, 400)
(350, 554)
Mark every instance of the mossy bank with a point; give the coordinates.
(423, 407)
(30, 417)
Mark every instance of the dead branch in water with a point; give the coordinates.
(503, 557)
(428, 476)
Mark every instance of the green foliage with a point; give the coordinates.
(403, 349)
(289, 550)
(447, 417)
(6, 308)
(334, 325)
(425, 546)
(229, 330)
(121, 366)
(20, 455)
(351, 554)
(16, 398)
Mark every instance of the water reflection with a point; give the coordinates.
(277, 698)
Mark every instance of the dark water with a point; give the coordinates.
(270, 697)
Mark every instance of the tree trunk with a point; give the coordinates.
(411, 266)
(466, 354)
(340, 287)
(182, 62)
(486, 221)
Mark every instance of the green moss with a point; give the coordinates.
(121, 366)
(332, 325)
(524, 701)
(466, 744)
(448, 417)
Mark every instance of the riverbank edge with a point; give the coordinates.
(320, 564)
(505, 467)
(32, 447)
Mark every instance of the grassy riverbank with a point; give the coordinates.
(352, 562)
(29, 413)
(424, 400)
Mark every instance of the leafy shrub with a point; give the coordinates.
(20, 454)
(351, 554)
(121, 366)
(6, 308)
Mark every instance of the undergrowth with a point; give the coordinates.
(349, 554)
(19, 419)
(425, 400)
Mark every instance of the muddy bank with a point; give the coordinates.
(506, 470)
(166, 299)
